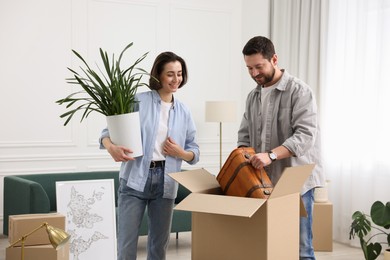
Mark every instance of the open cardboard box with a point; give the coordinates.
(227, 227)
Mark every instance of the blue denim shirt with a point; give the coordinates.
(181, 128)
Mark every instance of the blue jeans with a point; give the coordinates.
(131, 209)
(306, 251)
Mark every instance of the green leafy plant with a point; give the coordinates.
(109, 93)
(379, 222)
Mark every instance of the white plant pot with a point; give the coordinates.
(125, 130)
(387, 254)
(321, 194)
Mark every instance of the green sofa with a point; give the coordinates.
(36, 193)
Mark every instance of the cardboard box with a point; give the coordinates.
(42, 252)
(20, 225)
(231, 228)
(323, 227)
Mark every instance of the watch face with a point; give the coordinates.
(272, 156)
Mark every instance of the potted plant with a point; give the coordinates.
(112, 94)
(378, 221)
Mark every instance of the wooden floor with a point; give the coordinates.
(181, 250)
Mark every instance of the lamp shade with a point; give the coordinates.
(221, 111)
(57, 237)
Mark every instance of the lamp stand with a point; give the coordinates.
(220, 111)
(22, 249)
(220, 145)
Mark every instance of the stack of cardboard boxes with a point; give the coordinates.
(322, 221)
(37, 246)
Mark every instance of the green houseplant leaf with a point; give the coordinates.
(108, 92)
(363, 224)
(380, 214)
(372, 250)
(360, 226)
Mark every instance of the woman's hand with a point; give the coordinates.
(118, 153)
(171, 148)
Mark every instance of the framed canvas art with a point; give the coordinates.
(89, 207)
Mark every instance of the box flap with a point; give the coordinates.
(292, 180)
(199, 181)
(220, 204)
(302, 209)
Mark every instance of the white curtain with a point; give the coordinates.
(356, 108)
(298, 31)
(341, 48)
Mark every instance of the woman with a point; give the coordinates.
(168, 138)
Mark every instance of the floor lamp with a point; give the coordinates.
(220, 111)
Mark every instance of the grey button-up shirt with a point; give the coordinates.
(292, 121)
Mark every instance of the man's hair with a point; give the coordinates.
(158, 67)
(261, 45)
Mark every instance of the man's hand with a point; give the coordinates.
(260, 160)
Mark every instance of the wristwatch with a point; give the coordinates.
(272, 156)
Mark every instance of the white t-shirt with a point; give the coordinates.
(162, 133)
(265, 93)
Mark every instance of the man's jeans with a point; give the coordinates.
(306, 251)
(131, 208)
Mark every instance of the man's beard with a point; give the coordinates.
(265, 79)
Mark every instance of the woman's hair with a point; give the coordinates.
(158, 67)
(261, 45)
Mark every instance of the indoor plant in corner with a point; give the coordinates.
(379, 222)
(111, 94)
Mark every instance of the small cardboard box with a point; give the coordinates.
(20, 225)
(323, 227)
(42, 252)
(231, 228)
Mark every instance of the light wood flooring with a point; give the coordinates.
(181, 249)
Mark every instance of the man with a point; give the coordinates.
(280, 121)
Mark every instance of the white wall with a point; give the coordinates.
(255, 22)
(35, 49)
